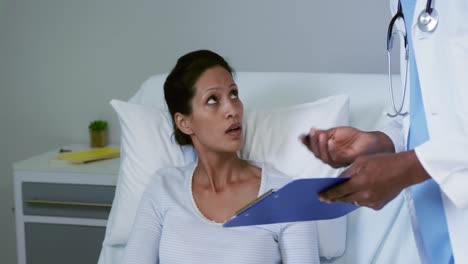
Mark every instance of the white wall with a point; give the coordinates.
(7, 227)
(62, 60)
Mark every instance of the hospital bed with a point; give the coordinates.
(365, 235)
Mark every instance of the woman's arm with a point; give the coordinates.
(299, 243)
(143, 245)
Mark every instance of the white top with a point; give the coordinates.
(169, 228)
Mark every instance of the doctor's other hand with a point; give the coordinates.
(340, 146)
(377, 179)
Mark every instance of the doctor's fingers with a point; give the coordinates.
(319, 142)
(358, 182)
(373, 181)
(361, 199)
(324, 150)
(337, 192)
(310, 140)
(353, 191)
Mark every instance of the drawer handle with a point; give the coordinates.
(67, 203)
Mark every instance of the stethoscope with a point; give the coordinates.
(428, 20)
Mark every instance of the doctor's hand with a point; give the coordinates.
(377, 179)
(340, 146)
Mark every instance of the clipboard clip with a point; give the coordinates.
(258, 199)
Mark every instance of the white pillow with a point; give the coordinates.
(148, 144)
(272, 135)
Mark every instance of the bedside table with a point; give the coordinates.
(61, 208)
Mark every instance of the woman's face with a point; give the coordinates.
(217, 111)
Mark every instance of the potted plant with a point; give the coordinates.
(98, 133)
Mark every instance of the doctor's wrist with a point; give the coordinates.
(413, 167)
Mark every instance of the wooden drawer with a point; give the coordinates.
(67, 200)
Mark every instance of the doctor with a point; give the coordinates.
(424, 148)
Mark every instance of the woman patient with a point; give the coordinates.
(182, 210)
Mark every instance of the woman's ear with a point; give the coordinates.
(183, 123)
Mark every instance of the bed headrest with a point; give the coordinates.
(261, 90)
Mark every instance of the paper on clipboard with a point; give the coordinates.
(296, 201)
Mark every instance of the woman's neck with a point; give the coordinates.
(216, 171)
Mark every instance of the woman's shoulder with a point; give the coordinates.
(174, 172)
(170, 178)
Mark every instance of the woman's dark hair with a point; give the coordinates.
(179, 87)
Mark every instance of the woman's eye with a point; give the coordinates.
(212, 100)
(234, 95)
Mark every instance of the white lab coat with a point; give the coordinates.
(442, 63)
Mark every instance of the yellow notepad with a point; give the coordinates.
(80, 157)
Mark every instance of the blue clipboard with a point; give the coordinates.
(296, 201)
